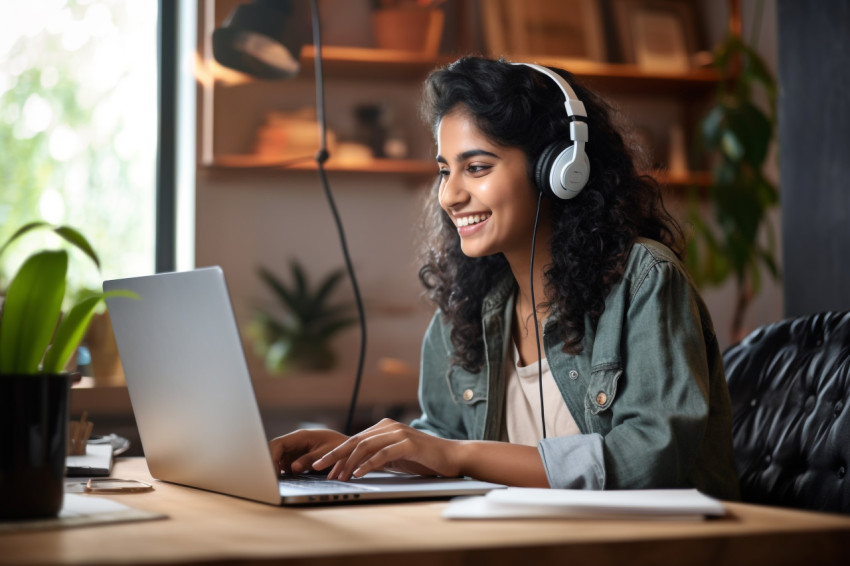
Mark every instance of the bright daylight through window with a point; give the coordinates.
(78, 108)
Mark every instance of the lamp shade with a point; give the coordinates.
(262, 38)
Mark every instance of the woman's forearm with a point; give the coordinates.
(501, 462)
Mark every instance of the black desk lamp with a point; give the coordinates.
(263, 38)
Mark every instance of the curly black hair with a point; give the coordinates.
(516, 106)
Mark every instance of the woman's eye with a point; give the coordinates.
(474, 169)
(443, 173)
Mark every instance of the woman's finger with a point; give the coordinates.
(383, 458)
(367, 448)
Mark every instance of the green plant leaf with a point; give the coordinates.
(712, 125)
(301, 284)
(72, 329)
(68, 233)
(20, 232)
(77, 239)
(279, 288)
(733, 149)
(754, 131)
(325, 289)
(31, 311)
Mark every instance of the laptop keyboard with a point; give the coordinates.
(308, 483)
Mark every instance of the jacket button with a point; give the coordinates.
(468, 395)
(573, 374)
(601, 398)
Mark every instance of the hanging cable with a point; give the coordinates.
(321, 156)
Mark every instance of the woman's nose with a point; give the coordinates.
(452, 193)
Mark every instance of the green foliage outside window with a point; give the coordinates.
(78, 128)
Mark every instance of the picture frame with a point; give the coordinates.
(571, 29)
(656, 35)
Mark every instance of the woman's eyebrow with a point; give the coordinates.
(467, 154)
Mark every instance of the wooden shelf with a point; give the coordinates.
(411, 167)
(418, 167)
(363, 63)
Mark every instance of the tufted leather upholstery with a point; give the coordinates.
(790, 389)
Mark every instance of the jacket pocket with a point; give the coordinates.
(602, 389)
(467, 388)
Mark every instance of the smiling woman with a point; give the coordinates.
(78, 126)
(539, 214)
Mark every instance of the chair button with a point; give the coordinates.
(810, 403)
(468, 395)
(841, 472)
(753, 402)
(601, 398)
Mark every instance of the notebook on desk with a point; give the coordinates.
(195, 407)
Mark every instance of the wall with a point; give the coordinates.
(815, 116)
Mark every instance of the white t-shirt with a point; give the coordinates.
(522, 404)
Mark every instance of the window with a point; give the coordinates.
(78, 128)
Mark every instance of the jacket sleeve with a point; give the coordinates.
(441, 415)
(654, 404)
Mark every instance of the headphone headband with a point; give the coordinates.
(572, 104)
(563, 168)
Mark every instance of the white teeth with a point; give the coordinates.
(474, 219)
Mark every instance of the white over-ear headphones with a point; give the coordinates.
(563, 168)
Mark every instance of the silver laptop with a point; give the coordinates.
(195, 406)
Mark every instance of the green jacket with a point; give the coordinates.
(648, 391)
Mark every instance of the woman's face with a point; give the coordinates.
(485, 190)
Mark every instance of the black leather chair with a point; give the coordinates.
(790, 389)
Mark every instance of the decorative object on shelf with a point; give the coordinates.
(36, 342)
(291, 135)
(737, 134)
(300, 341)
(370, 130)
(561, 28)
(656, 35)
(677, 154)
(408, 25)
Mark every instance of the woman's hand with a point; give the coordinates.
(295, 452)
(390, 445)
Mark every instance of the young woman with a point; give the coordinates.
(624, 388)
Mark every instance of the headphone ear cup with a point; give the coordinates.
(545, 163)
(572, 173)
(558, 174)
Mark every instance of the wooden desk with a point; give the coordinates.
(206, 527)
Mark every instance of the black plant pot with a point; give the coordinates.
(33, 444)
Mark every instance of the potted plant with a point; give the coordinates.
(408, 25)
(300, 339)
(36, 342)
(737, 134)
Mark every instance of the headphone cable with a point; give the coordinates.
(534, 314)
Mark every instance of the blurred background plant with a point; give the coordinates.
(295, 334)
(736, 134)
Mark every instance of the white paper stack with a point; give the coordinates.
(653, 504)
